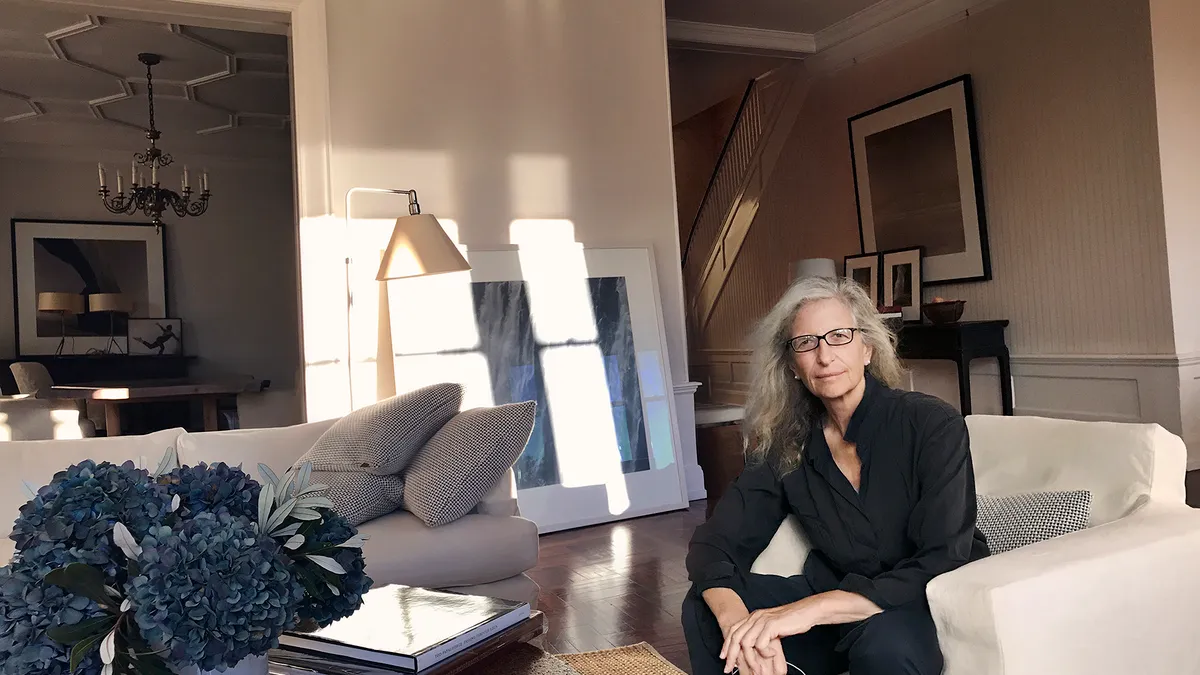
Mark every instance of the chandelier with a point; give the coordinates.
(148, 197)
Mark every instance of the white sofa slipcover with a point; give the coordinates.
(401, 549)
(1117, 597)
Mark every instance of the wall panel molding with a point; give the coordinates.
(1137, 388)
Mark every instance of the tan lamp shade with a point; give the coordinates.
(418, 247)
(107, 302)
(62, 303)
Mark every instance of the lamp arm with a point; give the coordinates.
(414, 208)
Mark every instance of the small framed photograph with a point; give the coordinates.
(901, 280)
(864, 269)
(156, 337)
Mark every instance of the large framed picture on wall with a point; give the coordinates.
(917, 181)
(63, 269)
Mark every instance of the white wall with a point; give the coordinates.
(231, 274)
(495, 112)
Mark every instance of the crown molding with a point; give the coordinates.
(886, 25)
(720, 35)
(882, 26)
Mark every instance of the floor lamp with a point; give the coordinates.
(418, 247)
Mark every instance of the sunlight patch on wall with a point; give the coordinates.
(576, 381)
(323, 316)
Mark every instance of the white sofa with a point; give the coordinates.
(484, 552)
(1122, 596)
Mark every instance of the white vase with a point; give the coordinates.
(251, 665)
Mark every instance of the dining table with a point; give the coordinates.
(112, 395)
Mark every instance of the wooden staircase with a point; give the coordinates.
(755, 141)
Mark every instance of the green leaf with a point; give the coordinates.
(123, 538)
(285, 487)
(301, 513)
(315, 503)
(269, 476)
(69, 635)
(169, 462)
(81, 649)
(265, 498)
(281, 513)
(133, 569)
(81, 579)
(312, 489)
(303, 478)
(356, 541)
(327, 563)
(287, 530)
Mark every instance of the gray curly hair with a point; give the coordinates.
(780, 410)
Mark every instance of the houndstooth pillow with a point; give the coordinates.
(359, 497)
(1018, 520)
(383, 437)
(465, 459)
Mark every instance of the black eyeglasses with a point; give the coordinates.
(834, 338)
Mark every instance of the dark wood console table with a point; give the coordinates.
(961, 343)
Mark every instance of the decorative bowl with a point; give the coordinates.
(947, 311)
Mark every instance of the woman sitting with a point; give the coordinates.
(880, 480)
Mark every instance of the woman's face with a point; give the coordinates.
(829, 371)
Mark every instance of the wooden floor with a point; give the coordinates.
(615, 585)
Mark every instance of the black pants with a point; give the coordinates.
(900, 641)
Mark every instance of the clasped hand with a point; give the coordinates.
(754, 642)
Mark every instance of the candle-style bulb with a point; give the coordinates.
(120, 186)
(103, 182)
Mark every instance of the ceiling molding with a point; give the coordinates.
(34, 108)
(258, 16)
(719, 35)
(884, 26)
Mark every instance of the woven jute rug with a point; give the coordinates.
(639, 659)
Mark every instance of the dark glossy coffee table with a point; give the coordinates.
(292, 663)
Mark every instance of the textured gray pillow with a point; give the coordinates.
(1019, 520)
(383, 437)
(465, 459)
(359, 497)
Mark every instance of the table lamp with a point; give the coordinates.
(814, 267)
(61, 304)
(113, 304)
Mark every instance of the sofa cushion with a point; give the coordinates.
(1123, 465)
(474, 549)
(278, 447)
(1014, 521)
(381, 438)
(36, 462)
(359, 497)
(464, 460)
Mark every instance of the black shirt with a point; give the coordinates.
(912, 518)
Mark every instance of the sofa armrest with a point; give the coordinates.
(502, 499)
(1116, 598)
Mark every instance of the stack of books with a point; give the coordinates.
(400, 629)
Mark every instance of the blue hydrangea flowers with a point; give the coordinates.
(120, 570)
(213, 591)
